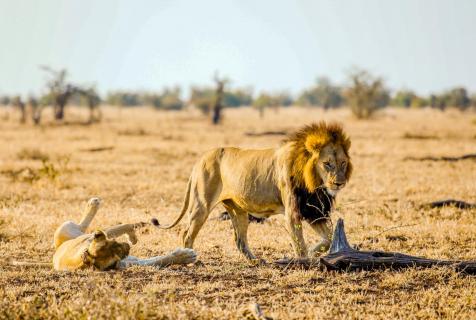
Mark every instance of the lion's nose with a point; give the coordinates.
(339, 183)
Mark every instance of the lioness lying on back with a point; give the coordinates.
(76, 249)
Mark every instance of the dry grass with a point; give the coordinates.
(143, 173)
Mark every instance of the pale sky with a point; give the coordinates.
(425, 45)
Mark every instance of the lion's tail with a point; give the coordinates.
(184, 207)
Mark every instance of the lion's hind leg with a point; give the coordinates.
(198, 216)
(204, 193)
(239, 219)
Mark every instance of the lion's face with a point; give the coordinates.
(320, 157)
(105, 253)
(332, 167)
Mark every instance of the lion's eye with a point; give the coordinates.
(344, 164)
(328, 165)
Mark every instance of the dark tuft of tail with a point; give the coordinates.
(155, 222)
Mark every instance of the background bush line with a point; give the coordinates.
(363, 93)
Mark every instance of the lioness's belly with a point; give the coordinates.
(68, 256)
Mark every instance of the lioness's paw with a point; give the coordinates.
(94, 202)
(131, 236)
(184, 256)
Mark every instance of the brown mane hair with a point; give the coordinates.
(306, 145)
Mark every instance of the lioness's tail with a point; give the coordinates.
(184, 207)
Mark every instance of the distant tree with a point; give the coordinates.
(438, 101)
(35, 110)
(218, 99)
(170, 99)
(92, 100)
(323, 94)
(124, 98)
(419, 102)
(5, 100)
(152, 99)
(45, 100)
(60, 91)
(473, 100)
(113, 99)
(283, 99)
(202, 99)
(458, 97)
(210, 100)
(403, 98)
(167, 99)
(20, 105)
(237, 97)
(264, 101)
(131, 99)
(307, 98)
(408, 98)
(365, 94)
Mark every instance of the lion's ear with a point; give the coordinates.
(99, 235)
(315, 142)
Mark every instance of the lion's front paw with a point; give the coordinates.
(184, 256)
(320, 248)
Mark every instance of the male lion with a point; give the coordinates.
(75, 249)
(300, 179)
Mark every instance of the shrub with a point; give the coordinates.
(5, 100)
(365, 94)
(323, 94)
(403, 98)
(202, 99)
(458, 97)
(264, 101)
(237, 97)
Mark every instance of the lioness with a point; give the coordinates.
(76, 249)
(300, 179)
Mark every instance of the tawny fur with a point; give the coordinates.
(308, 142)
(263, 182)
(75, 249)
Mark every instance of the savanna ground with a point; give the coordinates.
(48, 174)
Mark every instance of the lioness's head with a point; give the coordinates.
(103, 253)
(320, 157)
